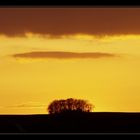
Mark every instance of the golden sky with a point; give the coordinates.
(41, 62)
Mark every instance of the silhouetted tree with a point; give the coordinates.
(70, 104)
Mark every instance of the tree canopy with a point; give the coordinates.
(70, 104)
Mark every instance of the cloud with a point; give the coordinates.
(27, 105)
(63, 21)
(63, 55)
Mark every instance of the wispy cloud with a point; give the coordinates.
(63, 55)
(27, 105)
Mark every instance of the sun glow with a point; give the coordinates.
(111, 84)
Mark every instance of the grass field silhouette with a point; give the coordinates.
(71, 122)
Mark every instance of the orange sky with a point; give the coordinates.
(50, 61)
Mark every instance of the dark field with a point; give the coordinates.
(71, 123)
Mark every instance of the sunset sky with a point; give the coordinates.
(59, 53)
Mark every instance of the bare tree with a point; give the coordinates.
(70, 104)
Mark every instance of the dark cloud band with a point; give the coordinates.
(63, 55)
(63, 21)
